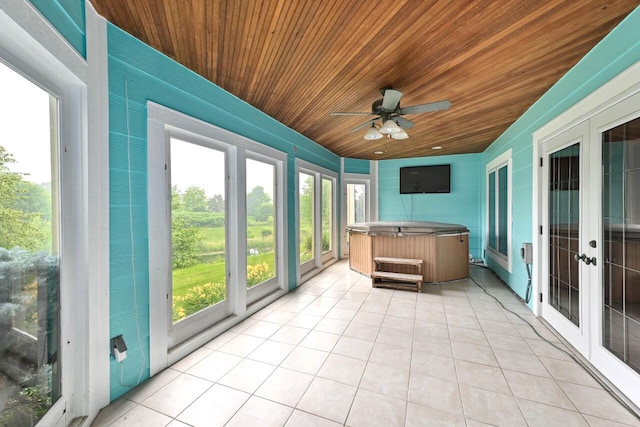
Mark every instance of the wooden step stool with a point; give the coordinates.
(393, 280)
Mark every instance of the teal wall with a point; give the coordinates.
(461, 206)
(356, 166)
(137, 74)
(67, 16)
(616, 52)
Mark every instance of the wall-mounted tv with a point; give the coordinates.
(425, 179)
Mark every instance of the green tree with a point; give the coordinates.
(184, 244)
(259, 205)
(194, 200)
(17, 227)
(216, 204)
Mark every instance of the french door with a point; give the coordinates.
(590, 258)
(565, 199)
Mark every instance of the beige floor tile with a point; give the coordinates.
(431, 331)
(537, 389)
(279, 316)
(508, 342)
(225, 337)
(501, 327)
(600, 422)
(328, 399)
(305, 360)
(242, 345)
(490, 407)
(433, 346)
(262, 329)
(271, 352)
(285, 386)
(258, 412)
(370, 410)
(386, 379)
(188, 361)
(423, 416)
(541, 415)
(395, 322)
(569, 371)
(142, 416)
(362, 330)
(468, 322)
(545, 349)
(473, 353)
(215, 407)
(368, 318)
(385, 354)
(214, 366)
(320, 307)
(332, 326)
(152, 385)
(493, 313)
(520, 362)
(374, 307)
(353, 347)
(433, 365)
(303, 419)
(482, 376)
(174, 397)
(290, 335)
(247, 375)
(426, 315)
(472, 336)
(343, 369)
(115, 410)
(306, 321)
(395, 337)
(176, 423)
(435, 393)
(597, 402)
(318, 340)
(341, 314)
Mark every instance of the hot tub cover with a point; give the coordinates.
(406, 227)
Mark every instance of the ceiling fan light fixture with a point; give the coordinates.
(390, 127)
(372, 133)
(400, 135)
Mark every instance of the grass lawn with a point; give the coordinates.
(187, 278)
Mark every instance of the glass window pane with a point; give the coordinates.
(356, 203)
(198, 237)
(261, 214)
(327, 215)
(306, 198)
(30, 377)
(502, 210)
(492, 211)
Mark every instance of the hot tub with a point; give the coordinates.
(444, 248)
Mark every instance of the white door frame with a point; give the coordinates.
(618, 90)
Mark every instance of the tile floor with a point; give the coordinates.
(337, 352)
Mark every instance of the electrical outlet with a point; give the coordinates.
(118, 348)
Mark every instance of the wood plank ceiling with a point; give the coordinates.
(300, 60)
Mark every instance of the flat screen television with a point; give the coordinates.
(425, 179)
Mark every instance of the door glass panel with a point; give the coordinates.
(198, 236)
(564, 220)
(30, 377)
(502, 210)
(327, 215)
(306, 197)
(492, 211)
(261, 214)
(356, 203)
(621, 225)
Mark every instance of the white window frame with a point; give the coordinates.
(495, 165)
(32, 46)
(319, 260)
(353, 179)
(163, 123)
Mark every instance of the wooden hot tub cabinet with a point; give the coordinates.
(444, 248)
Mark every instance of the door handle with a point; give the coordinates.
(584, 258)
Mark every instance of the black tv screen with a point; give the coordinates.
(425, 179)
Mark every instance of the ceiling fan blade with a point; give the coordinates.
(425, 108)
(362, 126)
(391, 99)
(346, 113)
(403, 123)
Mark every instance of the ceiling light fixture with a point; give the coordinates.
(372, 133)
(400, 135)
(436, 147)
(390, 127)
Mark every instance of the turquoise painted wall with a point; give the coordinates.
(356, 166)
(137, 74)
(461, 206)
(615, 53)
(67, 16)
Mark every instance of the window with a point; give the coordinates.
(498, 224)
(216, 233)
(316, 216)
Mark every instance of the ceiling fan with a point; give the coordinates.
(389, 112)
